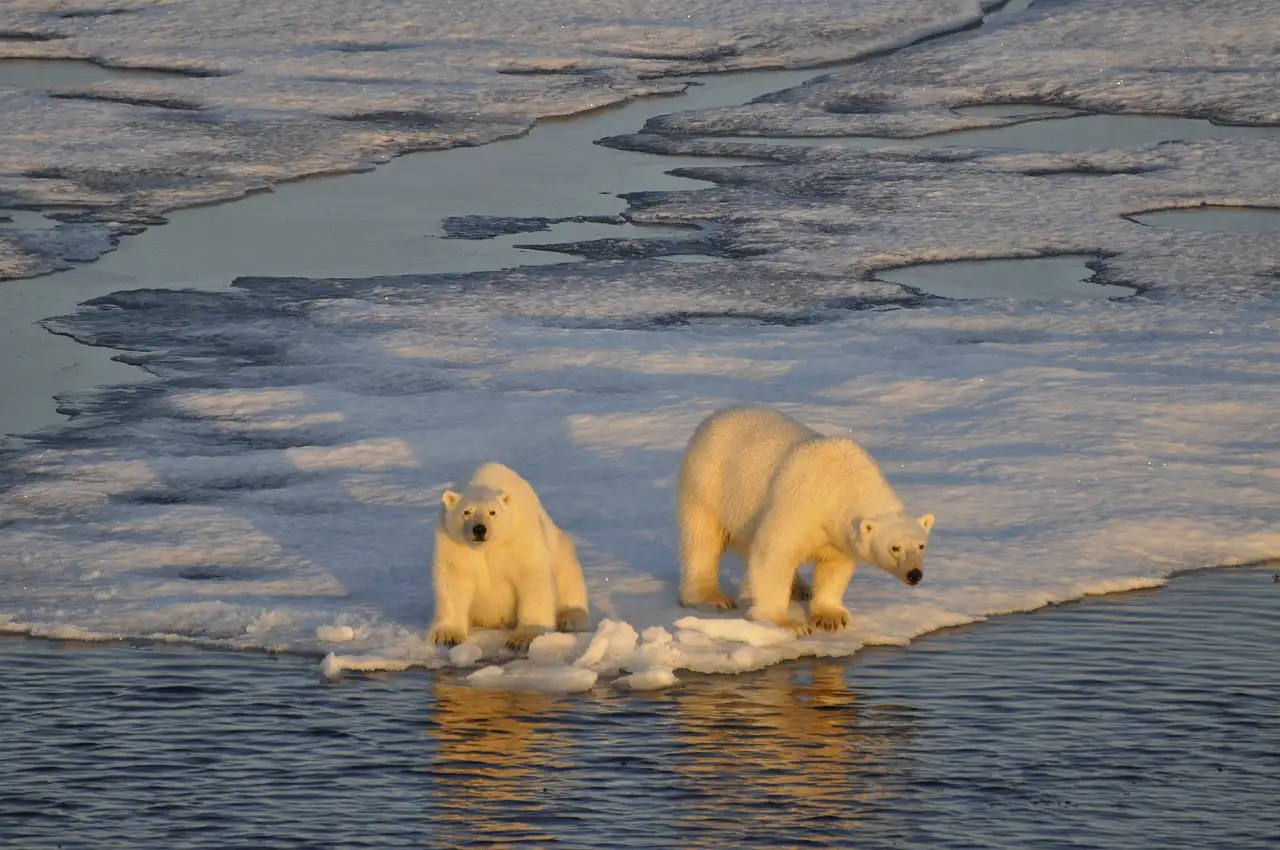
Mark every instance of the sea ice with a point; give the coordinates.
(263, 91)
(1197, 58)
(649, 680)
(529, 675)
(281, 474)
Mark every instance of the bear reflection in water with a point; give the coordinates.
(785, 750)
(736, 758)
(498, 751)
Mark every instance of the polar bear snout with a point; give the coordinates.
(478, 532)
(914, 576)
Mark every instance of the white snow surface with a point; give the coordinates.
(1067, 449)
(276, 487)
(1211, 59)
(270, 90)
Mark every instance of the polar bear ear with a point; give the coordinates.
(504, 499)
(866, 527)
(927, 522)
(450, 499)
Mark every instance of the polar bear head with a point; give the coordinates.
(479, 515)
(895, 544)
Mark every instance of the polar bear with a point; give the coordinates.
(500, 562)
(781, 495)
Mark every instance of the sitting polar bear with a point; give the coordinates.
(500, 562)
(781, 495)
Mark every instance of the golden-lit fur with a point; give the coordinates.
(781, 495)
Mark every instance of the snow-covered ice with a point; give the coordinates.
(1211, 59)
(276, 486)
(263, 91)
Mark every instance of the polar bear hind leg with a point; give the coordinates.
(800, 589)
(571, 587)
(703, 541)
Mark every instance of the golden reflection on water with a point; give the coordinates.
(496, 754)
(721, 758)
(790, 744)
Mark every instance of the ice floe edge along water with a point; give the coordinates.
(198, 106)
(273, 493)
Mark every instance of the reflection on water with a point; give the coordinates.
(1215, 219)
(1039, 279)
(1141, 720)
(781, 751)
(66, 73)
(24, 219)
(718, 761)
(30, 219)
(496, 753)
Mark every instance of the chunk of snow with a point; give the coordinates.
(648, 680)
(743, 631)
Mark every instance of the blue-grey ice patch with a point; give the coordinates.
(489, 226)
(33, 243)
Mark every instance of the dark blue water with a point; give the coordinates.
(1142, 720)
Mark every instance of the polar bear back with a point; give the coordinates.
(732, 458)
(836, 478)
(746, 457)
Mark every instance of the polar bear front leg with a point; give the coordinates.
(830, 578)
(800, 589)
(455, 589)
(770, 571)
(535, 603)
(702, 544)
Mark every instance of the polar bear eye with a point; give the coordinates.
(493, 513)
(895, 549)
(467, 512)
(921, 547)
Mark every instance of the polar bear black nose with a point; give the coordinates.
(914, 577)
(479, 531)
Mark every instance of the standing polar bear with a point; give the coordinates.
(781, 495)
(500, 562)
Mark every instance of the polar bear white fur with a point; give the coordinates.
(781, 495)
(500, 562)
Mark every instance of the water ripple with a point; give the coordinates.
(1141, 720)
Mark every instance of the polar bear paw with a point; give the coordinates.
(522, 637)
(447, 635)
(801, 629)
(571, 620)
(800, 590)
(713, 599)
(831, 620)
